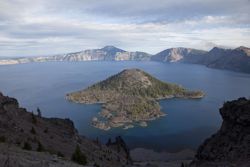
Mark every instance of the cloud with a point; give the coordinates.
(59, 26)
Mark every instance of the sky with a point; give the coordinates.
(48, 27)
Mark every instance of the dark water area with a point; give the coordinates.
(187, 124)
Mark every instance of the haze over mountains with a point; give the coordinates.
(230, 59)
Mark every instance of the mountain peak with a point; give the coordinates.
(111, 48)
(244, 49)
(217, 50)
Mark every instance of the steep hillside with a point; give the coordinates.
(179, 55)
(52, 135)
(229, 59)
(236, 60)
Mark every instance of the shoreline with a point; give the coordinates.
(125, 122)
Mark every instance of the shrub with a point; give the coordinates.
(27, 146)
(34, 121)
(46, 130)
(2, 139)
(39, 114)
(33, 131)
(59, 154)
(79, 157)
(40, 147)
(96, 165)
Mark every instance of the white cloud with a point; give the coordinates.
(45, 27)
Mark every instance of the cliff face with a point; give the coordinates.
(23, 129)
(107, 53)
(229, 59)
(187, 55)
(231, 144)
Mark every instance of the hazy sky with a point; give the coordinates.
(45, 27)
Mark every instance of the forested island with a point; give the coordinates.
(129, 98)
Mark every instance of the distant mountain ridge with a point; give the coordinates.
(178, 55)
(229, 59)
(107, 53)
(237, 59)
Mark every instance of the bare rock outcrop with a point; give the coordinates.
(230, 146)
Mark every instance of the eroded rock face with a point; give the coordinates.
(231, 144)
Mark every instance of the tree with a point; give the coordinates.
(33, 131)
(79, 157)
(40, 147)
(39, 114)
(27, 146)
(34, 121)
(2, 139)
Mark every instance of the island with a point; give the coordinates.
(129, 98)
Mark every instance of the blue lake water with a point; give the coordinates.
(187, 124)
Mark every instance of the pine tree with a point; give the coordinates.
(39, 114)
(79, 157)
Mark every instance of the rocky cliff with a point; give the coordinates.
(107, 53)
(230, 146)
(54, 136)
(187, 55)
(229, 59)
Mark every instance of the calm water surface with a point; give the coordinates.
(187, 123)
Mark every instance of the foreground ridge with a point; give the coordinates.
(41, 139)
(230, 146)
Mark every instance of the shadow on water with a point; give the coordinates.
(172, 142)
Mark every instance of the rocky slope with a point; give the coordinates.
(129, 97)
(13, 156)
(179, 55)
(230, 59)
(51, 135)
(108, 53)
(230, 146)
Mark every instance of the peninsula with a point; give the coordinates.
(129, 98)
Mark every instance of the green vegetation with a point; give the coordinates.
(2, 139)
(79, 157)
(46, 130)
(39, 114)
(59, 154)
(33, 131)
(96, 165)
(27, 146)
(40, 147)
(33, 117)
